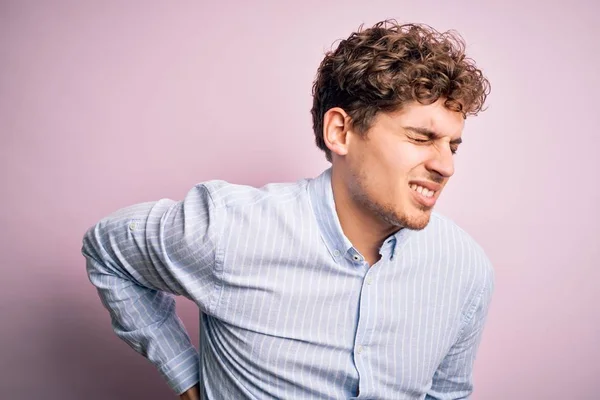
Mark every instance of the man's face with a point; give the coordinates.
(399, 169)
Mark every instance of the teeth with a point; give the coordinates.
(424, 191)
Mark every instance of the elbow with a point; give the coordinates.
(91, 249)
(89, 243)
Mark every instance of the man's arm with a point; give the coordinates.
(192, 393)
(141, 255)
(453, 379)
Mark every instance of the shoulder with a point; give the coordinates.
(456, 239)
(466, 256)
(224, 194)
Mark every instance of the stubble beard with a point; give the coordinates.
(389, 214)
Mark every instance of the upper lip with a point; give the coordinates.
(428, 185)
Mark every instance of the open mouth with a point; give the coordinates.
(424, 196)
(423, 191)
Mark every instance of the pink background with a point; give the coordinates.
(108, 103)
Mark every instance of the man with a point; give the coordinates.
(343, 286)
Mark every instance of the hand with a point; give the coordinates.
(192, 393)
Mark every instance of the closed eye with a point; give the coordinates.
(453, 148)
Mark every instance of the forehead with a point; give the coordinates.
(435, 117)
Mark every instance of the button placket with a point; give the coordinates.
(362, 356)
(360, 347)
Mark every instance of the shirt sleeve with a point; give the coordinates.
(138, 258)
(453, 379)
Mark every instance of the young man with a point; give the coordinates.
(343, 286)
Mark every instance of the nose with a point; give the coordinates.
(441, 162)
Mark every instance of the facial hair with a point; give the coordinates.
(387, 213)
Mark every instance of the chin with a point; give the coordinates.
(417, 220)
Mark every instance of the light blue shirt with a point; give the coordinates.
(289, 308)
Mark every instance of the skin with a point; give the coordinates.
(372, 172)
(191, 394)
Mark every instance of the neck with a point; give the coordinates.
(365, 230)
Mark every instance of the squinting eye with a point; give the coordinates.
(421, 140)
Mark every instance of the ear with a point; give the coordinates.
(336, 125)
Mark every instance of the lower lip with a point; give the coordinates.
(426, 201)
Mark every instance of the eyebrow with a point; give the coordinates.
(430, 134)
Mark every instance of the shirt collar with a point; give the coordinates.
(323, 205)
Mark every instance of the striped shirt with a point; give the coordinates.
(289, 309)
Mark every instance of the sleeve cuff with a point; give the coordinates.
(182, 372)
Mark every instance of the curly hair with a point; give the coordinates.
(389, 65)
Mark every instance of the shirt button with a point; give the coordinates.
(336, 253)
(359, 349)
(132, 226)
(356, 257)
(369, 281)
